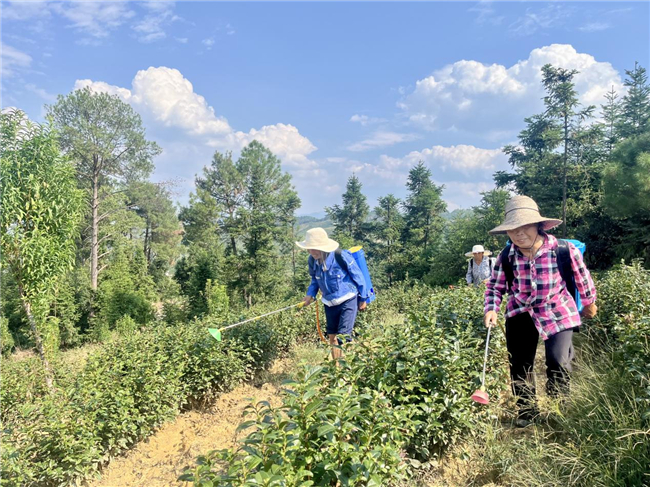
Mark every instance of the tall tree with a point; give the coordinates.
(40, 218)
(611, 113)
(562, 104)
(105, 138)
(387, 228)
(424, 206)
(255, 204)
(627, 194)
(350, 218)
(635, 106)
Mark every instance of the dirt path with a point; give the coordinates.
(159, 460)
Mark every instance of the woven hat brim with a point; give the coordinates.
(329, 246)
(549, 223)
(486, 253)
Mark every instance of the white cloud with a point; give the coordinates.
(96, 19)
(536, 19)
(168, 98)
(381, 139)
(182, 40)
(489, 99)
(24, 10)
(13, 61)
(594, 27)
(365, 120)
(209, 42)
(151, 28)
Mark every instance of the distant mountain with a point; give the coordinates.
(307, 222)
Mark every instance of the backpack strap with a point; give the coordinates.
(340, 260)
(564, 265)
(506, 265)
(471, 265)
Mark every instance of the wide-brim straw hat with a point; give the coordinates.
(520, 211)
(317, 239)
(477, 249)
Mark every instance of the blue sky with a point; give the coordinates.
(331, 88)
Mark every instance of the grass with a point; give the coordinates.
(596, 437)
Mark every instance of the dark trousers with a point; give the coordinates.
(521, 340)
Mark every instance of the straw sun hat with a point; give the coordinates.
(477, 249)
(317, 239)
(520, 211)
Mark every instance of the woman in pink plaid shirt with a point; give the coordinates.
(538, 303)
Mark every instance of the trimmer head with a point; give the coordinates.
(216, 333)
(481, 396)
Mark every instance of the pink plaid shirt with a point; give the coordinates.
(540, 290)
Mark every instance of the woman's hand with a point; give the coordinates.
(490, 319)
(362, 305)
(307, 300)
(589, 311)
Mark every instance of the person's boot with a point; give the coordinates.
(526, 416)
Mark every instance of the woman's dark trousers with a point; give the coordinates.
(521, 339)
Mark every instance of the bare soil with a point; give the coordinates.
(160, 460)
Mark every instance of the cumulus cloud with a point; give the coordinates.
(13, 61)
(165, 96)
(478, 98)
(381, 139)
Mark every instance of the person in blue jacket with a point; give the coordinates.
(344, 291)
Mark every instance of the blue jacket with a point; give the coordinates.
(335, 283)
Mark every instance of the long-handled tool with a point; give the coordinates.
(216, 332)
(480, 395)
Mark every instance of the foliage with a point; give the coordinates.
(627, 194)
(40, 217)
(253, 204)
(125, 390)
(329, 431)
(6, 338)
(402, 388)
(104, 137)
(350, 219)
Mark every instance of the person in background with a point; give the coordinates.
(344, 291)
(538, 304)
(479, 267)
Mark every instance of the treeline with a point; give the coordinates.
(89, 242)
(587, 166)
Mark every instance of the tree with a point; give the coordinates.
(423, 222)
(351, 217)
(387, 228)
(40, 218)
(424, 205)
(105, 138)
(627, 194)
(561, 102)
(611, 113)
(635, 106)
(161, 234)
(251, 204)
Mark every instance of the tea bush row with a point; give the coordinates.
(402, 392)
(124, 391)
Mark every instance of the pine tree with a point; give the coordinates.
(351, 217)
(635, 107)
(611, 113)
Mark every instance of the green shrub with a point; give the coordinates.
(125, 390)
(5, 336)
(329, 431)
